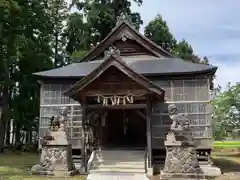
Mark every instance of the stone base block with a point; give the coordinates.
(56, 160)
(179, 176)
(149, 172)
(56, 173)
(207, 172)
(210, 170)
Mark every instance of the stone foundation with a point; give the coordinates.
(56, 160)
(181, 160)
(185, 176)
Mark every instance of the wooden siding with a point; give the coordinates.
(112, 81)
(191, 98)
(130, 48)
(52, 100)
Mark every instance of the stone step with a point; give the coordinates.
(119, 161)
(130, 166)
(122, 157)
(76, 157)
(132, 163)
(78, 165)
(117, 176)
(125, 153)
(122, 154)
(117, 170)
(139, 158)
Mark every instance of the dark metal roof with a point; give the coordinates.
(145, 65)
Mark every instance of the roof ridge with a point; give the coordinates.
(124, 17)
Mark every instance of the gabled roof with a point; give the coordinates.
(144, 65)
(112, 58)
(157, 62)
(124, 29)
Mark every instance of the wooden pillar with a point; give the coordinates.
(149, 131)
(84, 152)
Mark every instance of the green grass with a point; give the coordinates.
(17, 167)
(227, 144)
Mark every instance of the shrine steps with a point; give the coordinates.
(119, 161)
(77, 160)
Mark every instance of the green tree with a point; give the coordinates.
(102, 16)
(157, 30)
(227, 113)
(10, 40)
(25, 36)
(37, 32)
(58, 13)
(76, 34)
(184, 50)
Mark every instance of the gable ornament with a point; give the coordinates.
(112, 51)
(124, 17)
(124, 36)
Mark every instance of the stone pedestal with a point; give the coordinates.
(56, 155)
(181, 158)
(181, 164)
(56, 160)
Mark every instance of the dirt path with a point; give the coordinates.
(229, 176)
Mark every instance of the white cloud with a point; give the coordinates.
(227, 72)
(210, 26)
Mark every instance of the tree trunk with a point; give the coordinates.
(29, 140)
(4, 118)
(2, 135)
(17, 134)
(8, 129)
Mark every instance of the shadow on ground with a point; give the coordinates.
(16, 164)
(17, 167)
(227, 164)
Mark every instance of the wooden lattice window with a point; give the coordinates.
(53, 94)
(185, 89)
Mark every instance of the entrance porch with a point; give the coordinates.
(122, 128)
(116, 107)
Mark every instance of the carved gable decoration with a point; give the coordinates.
(113, 59)
(130, 38)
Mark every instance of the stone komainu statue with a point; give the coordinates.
(58, 122)
(180, 125)
(56, 156)
(180, 150)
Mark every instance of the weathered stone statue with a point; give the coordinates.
(56, 157)
(181, 158)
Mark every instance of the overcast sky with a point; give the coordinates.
(212, 27)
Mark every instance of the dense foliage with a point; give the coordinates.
(227, 112)
(157, 30)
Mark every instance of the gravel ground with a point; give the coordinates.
(229, 176)
(229, 163)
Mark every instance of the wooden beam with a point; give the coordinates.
(121, 106)
(112, 92)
